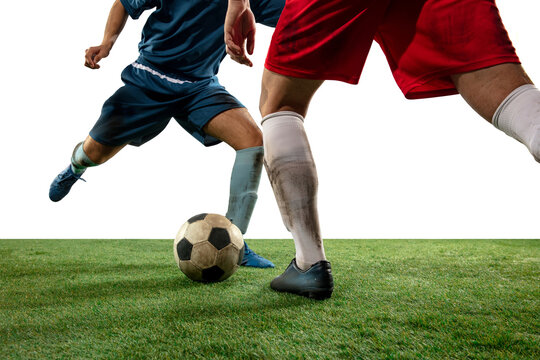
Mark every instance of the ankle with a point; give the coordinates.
(77, 170)
(305, 264)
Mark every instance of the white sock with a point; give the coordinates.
(519, 117)
(292, 173)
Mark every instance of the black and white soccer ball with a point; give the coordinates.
(209, 248)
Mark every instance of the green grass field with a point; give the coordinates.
(394, 299)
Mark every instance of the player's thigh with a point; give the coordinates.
(236, 127)
(485, 89)
(326, 40)
(427, 41)
(286, 93)
(132, 115)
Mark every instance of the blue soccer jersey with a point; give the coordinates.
(185, 37)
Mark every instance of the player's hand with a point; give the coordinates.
(239, 28)
(94, 54)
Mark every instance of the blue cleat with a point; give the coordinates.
(251, 259)
(62, 184)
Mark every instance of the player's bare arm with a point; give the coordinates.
(115, 24)
(240, 31)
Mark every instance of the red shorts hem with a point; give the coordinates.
(410, 93)
(311, 75)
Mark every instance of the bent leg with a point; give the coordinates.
(505, 96)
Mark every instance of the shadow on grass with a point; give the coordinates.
(72, 293)
(76, 284)
(70, 269)
(134, 304)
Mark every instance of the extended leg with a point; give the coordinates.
(505, 96)
(290, 165)
(86, 154)
(292, 173)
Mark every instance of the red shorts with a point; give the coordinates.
(425, 41)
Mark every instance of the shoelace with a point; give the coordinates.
(68, 177)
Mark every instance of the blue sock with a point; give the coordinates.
(245, 178)
(79, 160)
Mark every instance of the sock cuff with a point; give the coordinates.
(282, 113)
(80, 158)
(508, 100)
(254, 149)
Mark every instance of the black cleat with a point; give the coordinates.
(314, 283)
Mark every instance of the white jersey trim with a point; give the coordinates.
(158, 74)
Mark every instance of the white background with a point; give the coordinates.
(388, 167)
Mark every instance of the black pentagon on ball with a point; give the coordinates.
(212, 274)
(219, 237)
(197, 218)
(183, 249)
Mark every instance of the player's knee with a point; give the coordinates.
(253, 139)
(257, 138)
(274, 105)
(285, 93)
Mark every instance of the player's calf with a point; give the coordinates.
(293, 176)
(519, 117)
(245, 178)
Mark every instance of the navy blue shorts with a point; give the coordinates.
(142, 108)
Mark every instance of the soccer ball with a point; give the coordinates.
(208, 248)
